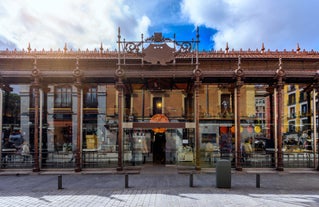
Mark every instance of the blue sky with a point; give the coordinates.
(188, 32)
(82, 24)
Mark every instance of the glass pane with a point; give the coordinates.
(17, 128)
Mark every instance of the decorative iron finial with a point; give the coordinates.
(239, 61)
(101, 48)
(65, 47)
(298, 48)
(262, 48)
(197, 33)
(119, 48)
(280, 64)
(29, 48)
(158, 37)
(119, 33)
(197, 46)
(227, 48)
(142, 48)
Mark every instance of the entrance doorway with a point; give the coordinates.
(144, 146)
(159, 146)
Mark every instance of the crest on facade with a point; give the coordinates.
(159, 54)
(156, 50)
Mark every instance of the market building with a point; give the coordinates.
(158, 100)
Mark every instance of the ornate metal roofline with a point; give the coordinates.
(114, 54)
(108, 54)
(156, 46)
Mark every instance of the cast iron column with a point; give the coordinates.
(78, 84)
(280, 73)
(309, 108)
(1, 112)
(119, 74)
(197, 141)
(120, 88)
(78, 129)
(35, 88)
(270, 123)
(315, 128)
(197, 74)
(239, 73)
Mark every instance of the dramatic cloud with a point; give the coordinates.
(248, 23)
(79, 23)
(86, 24)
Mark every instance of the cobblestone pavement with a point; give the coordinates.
(159, 186)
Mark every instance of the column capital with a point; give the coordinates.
(78, 83)
(239, 74)
(315, 83)
(36, 83)
(280, 83)
(36, 75)
(280, 74)
(45, 88)
(197, 83)
(119, 85)
(316, 86)
(119, 73)
(197, 73)
(270, 89)
(239, 83)
(4, 85)
(78, 75)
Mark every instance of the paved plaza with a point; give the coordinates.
(158, 186)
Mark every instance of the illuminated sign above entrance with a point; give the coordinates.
(159, 118)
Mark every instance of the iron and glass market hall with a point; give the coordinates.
(159, 101)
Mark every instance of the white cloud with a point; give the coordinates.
(79, 23)
(143, 25)
(82, 24)
(248, 23)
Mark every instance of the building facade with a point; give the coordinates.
(158, 100)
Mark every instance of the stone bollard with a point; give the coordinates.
(191, 180)
(257, 180)
(60, 182)
(126, 180)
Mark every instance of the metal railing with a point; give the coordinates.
(98, 159)
(254, 160)
(13, 159)
(299, 160)
(57, 159)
